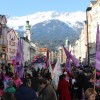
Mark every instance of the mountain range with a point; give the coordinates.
(50, 29)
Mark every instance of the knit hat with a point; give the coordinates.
(65, 73)
(10, 83)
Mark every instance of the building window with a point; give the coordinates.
(12, 51)
(12, 43)
(0, 31)
(10, 57)
(9, 36)
(14, 37)
(9, 49)
(16, 44)
(9, 42)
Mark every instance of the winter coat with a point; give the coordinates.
(10, 89)
(87, 85)
(1, 92)
(17, 82)
(47, 93)
(63, 89)
(35, 83)
(25, 93)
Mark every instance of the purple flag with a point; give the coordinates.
(97, 58)
(70, 56)
(21, 72)
(19, 59)
(75, 61)
(19, 54)
(68, 64)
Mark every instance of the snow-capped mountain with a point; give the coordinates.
(68, 18)
(50, 28)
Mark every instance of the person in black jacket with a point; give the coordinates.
(24, 92)
(88, 83)
(35, 81)
(8, 96)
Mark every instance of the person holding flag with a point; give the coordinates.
(57, 71)
(18, 60)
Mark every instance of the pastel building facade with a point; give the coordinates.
(12, 44)
(3, 40)
(42, 51)
(90, 26)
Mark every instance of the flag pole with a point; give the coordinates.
(94, 78)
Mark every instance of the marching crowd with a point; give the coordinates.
(78, 84)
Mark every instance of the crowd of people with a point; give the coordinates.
(78, 84)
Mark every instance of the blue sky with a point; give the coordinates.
(26, 7)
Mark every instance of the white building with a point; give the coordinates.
(29, 48)
(12, 44)
(26, 49)
(33, 50)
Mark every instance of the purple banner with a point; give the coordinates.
(70, 56)
(97, 58)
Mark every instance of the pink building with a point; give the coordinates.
(12, 43)
(8, 41)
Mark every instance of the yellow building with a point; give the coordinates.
(43, 51)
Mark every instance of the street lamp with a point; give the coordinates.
(88, 9)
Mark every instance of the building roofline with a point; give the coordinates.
(93, 2)
(13, 31)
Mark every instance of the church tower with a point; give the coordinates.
(67, 43)
(27, 32)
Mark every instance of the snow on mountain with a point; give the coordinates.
(69, 18)
(51, 28)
